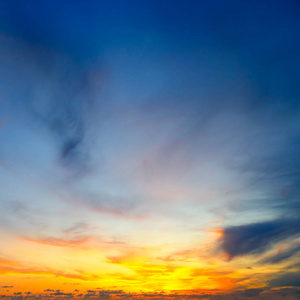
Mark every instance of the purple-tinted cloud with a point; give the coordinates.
(257, 238)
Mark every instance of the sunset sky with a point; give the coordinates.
(150, 149)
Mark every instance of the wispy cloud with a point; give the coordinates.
(60, 242)
(21, 268)
(283, 255)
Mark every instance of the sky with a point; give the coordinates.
(149, 149)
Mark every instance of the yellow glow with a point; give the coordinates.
(88, 264)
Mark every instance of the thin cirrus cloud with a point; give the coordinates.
(283, 255)
(55, 110)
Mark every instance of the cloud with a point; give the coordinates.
(119, 206)
(282, 255)
(256, 238)
(61, 293)
(62, 111)
(257, 294)
(9, 262)
(56, 97)
(21, 269)
(286, 279)
(274, 173)
(61, 242)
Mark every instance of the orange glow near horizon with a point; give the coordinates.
(82, 265)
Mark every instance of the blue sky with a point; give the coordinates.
(154, 124)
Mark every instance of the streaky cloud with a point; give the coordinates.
(256, 238)
(282, 255)
(61, 242)
(286, 279)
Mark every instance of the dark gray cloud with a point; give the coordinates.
(277, 173)
(258, 237)
(60, 293)
(258, 294)
(286, 279)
